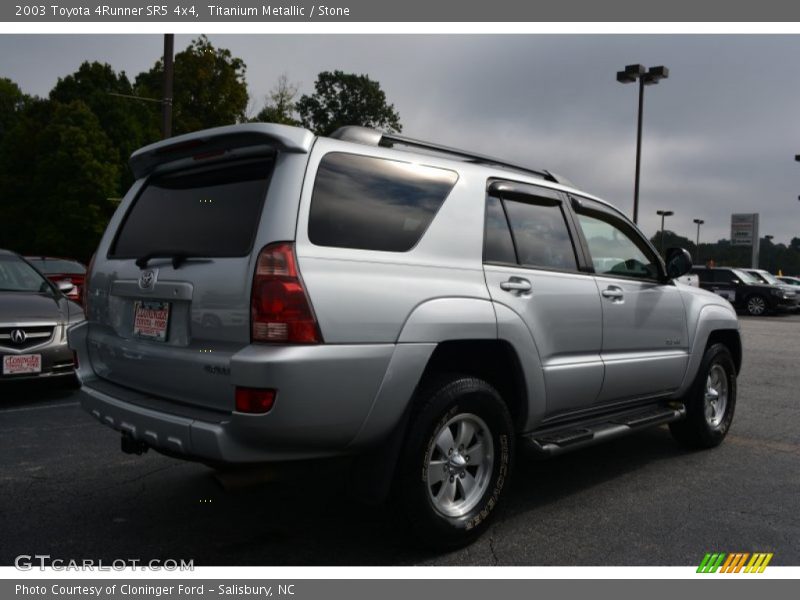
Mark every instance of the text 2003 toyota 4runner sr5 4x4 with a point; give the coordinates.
(262, 294)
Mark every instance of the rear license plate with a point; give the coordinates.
(22, 363)
(150, 320)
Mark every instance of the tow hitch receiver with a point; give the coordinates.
(130, 445)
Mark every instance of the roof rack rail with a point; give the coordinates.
(373, 137)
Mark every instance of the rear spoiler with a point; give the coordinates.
(218, 141)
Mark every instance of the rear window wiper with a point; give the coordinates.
(178, 258)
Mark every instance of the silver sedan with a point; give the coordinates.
(34, 318)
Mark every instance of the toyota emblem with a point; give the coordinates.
(148, 279)
(18, 336)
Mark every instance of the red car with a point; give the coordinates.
(62, 269)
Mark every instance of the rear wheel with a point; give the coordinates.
(457, 460)
(710, 402)
(756, 305)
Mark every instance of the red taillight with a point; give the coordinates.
(279, 307)
(254, 400)
(85, 290)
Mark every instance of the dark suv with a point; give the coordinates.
(744, 291)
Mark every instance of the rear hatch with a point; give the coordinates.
(170, 286)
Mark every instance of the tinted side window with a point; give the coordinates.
(208, 212)
(724, 276)
(705, 275)
(541, 235)
(497, 244)
(374, 203)
(614, 251)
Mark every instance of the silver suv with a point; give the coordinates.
(266, 295)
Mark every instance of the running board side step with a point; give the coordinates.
(581, 435)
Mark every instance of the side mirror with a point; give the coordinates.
(65, 287)
(736, 282)
(679, 262)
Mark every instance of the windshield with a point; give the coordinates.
(745, 277)
(57, 265)
(18, 276)
(769, 278)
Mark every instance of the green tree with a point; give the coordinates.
(12, 103)
(341, 99)
(209, 87)
(280, 106)
(673, 240)
(128, 123)
(56, 181)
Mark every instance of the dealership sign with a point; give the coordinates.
(744, 229)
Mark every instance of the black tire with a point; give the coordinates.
(701, 429)
(756, 305)
(464, 402)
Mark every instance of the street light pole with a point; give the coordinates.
(645, 76)
(166, 109)
(663, 214)
(639, 156)
(697, 243)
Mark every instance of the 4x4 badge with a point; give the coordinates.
(148, 279)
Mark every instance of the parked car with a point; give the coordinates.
(34, 318)
(62, 269)
(745, 291)
(768, 278)
(793, 281)
(421, 309)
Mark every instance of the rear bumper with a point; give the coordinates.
(175, 434)
(324, 395)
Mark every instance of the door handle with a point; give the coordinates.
(516, 284)
(613, 293)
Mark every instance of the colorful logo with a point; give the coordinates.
(735, 562)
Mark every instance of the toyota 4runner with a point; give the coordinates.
(265, 295)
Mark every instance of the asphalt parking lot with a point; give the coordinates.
(66, 490)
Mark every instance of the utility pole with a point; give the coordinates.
(166, 113)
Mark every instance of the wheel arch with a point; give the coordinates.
(495, 361)
(715, 324)
(732, 340)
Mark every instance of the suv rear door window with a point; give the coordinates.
(203, 212)
(374, 203)
(498, 246)
(540, 235)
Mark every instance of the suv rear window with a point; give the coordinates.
(202, 212)
(374, 203)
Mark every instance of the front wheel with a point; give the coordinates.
(457, 461)
(756, 305)
(710, 402)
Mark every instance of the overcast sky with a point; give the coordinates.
(720, 134)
